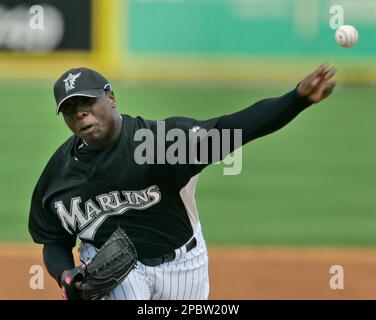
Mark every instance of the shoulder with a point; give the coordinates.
(175, 121)
(134, 123)
(63, 151)
(58, 158)
(53, 167)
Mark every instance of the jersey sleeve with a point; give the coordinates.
(44, 226)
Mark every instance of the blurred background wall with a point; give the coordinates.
(215, 40)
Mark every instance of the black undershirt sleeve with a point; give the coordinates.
(260, 119)
(57, 258)
(265, 116)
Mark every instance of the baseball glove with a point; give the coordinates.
(109, 267)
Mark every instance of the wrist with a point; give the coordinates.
(303, 99)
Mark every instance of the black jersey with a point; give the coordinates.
(88, 194)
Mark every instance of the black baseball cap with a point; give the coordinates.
(79, 82)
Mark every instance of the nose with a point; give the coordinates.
(80, 114)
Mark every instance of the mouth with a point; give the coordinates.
(86, 128)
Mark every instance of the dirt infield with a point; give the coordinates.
(235, 273)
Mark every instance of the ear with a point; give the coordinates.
(111, 97)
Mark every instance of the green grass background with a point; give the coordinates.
(311, 183)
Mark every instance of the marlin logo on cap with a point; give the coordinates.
(70, 81)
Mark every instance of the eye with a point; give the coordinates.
(68, 110)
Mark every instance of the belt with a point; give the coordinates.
(152, 262)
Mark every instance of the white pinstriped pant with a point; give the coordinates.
(185, 278)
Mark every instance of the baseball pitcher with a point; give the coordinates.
(137, 221)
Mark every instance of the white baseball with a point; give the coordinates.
(347, 36)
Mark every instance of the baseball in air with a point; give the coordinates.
(347, 36)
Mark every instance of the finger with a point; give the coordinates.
(328, 89)
(330, 73)
(320, 79)
(321, 73)
(315, 82)
(323, 92)
(320, 70)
